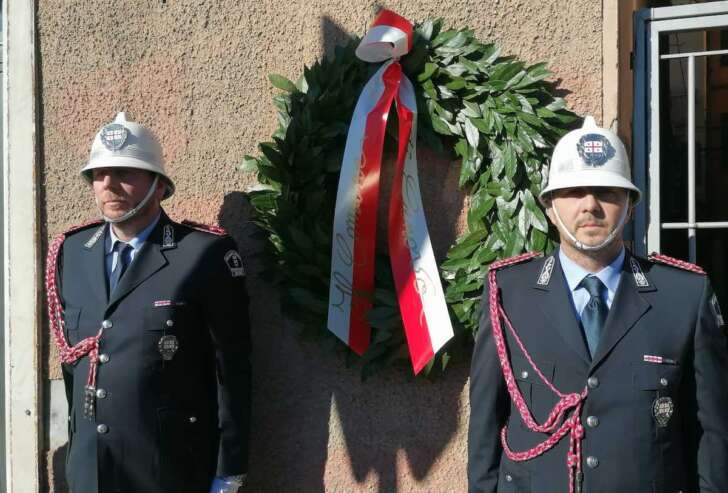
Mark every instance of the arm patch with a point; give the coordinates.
(234, 263)
(716, 310)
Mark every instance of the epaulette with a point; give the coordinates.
(205, 228)
(83, 225)
(499, 264)
(680, 264)
(59, 238)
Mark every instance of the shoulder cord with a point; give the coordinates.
(571, 425)
(88, 346)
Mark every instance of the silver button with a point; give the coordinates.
(592, 461)
(102, 428)
(193, 419)
(104, 358)
(101, 393)
(170, 323)
(107, 324)
(592, 421)
(524, 374)
(592, 382)
(509, 478)
(663, 382)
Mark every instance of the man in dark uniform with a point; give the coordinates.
(151, 320)
(595, 370)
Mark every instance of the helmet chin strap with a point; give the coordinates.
(592, 248)
(133, 211)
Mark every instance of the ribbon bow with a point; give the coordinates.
(421, 299)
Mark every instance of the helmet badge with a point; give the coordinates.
(595, 149)
(113, 136)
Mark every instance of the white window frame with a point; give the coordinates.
(648, 224)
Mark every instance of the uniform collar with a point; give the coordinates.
(609, 275)
(135, 242)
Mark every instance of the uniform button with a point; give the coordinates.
(663, 382)
(104, 358)
(107, 324)
(193, 419)
(509, 478)
(102, 428)
(592, 461)
(592, 382)
(170, 323)
(101, 393)
(592, 421)
(524, 374)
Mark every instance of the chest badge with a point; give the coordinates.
(662, 410)
(168, 346)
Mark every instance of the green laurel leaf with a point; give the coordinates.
(494, 115)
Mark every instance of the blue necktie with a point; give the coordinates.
(122, 262)
(595, 312)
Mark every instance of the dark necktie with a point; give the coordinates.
(595, 312)
(122, 262)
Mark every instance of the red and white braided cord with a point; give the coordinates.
(88, 346)
(675, 262)
(571, 425)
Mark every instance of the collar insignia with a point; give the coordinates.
(639, 277)
(98, 234)
(548, 268)
(168, 237)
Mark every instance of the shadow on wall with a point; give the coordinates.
(315, 426)
(57, 470)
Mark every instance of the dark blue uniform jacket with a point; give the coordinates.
(625, 450)
(161, 426)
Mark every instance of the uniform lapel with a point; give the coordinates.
(95, 268)
(555, 303)
(627, 308)
(148, 260)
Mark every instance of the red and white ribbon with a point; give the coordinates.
(421, 298)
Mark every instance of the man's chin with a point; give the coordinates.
(115, 214)
(591, 241)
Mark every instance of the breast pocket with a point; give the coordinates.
(71, 317)
(657, 387)
(513, 479)
(538, 396)
(168, 332)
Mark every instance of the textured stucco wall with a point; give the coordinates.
(195, 72)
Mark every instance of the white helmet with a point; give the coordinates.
(590, 157)
(124, 144)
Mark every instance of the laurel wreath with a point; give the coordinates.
(499, 117)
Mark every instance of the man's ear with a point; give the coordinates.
(631, 206)
(547, 202)
(161, 188)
